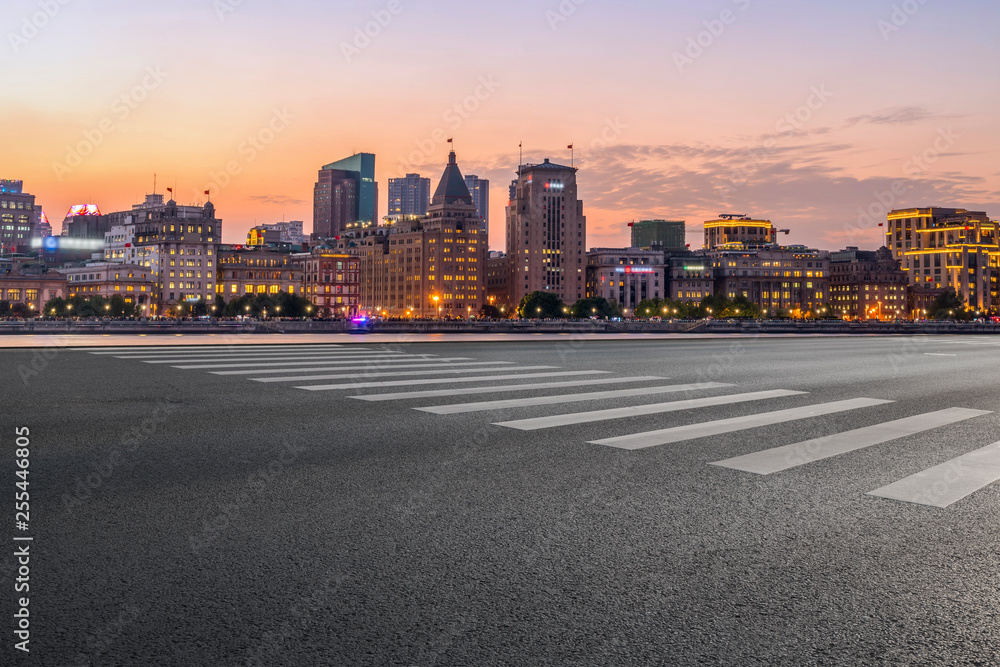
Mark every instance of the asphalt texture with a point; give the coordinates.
(185, 518)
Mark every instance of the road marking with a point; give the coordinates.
(176, 349)
(372, 361)
(397, 363)
(457, 408)
(489, 378)
(250, 354)
(462, 391)
(635, 410)
(938, 354)
(393, 372)
(949, 482)
(789, 456)
(691, 431)
(291, 357)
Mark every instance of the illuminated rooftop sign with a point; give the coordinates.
(83, 209)
(635, 269)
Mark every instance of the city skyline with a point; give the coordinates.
(695, 118)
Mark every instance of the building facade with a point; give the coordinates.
(739, 230)
(626, 276)
(243, 270)
(31, 289)
(135, 284)
(792, 279)
(331, 280)
(691, 278)
(479, 188)
(670, 235)
(868, 285)
(409, 195)
(345, 196)
(18, 217)
(546, 233)
(948, 247)
(497, 289)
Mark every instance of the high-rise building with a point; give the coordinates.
(479, 188)
(737, 230)
(409, 196)
(948, 247)
(17, 217)
(668, 234)
(546, 233)
(345, 196)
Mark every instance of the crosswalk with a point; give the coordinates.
(377, 375)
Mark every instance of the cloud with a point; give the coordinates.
(893, 116)
(276, 200)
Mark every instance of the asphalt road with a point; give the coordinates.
(185, 517)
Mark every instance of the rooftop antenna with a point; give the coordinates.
(520, 156)
(154, 182)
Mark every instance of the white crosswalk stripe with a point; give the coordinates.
(394, 373)
(790, 456)
(271, 364)
(397, 363)
(249, 354)
(205, 349)
(946, 484)
(458, 408)
(289, 358)
(656, 408)
(462, 391)
(701, 430)
(403, 383)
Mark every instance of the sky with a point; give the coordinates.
(816, 115)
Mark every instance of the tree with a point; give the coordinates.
(948, 305)
(541, 305)
(4, 308)
(21, 310)
(595, 307)
(220, 305)
(55, 307)
(120, 307)
(489, 311)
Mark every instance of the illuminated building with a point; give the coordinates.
(18, 217)
(793, 279)
(497, 274)
(691, 278)
(277, 232)
(738, 229)
(479, 188)
(84, 221)
(252, 270)
(330, 280)
(947, 247)
(135, 284)
(31, 289)
(625, 276)
(345, 196)
(546, 233)
(425, 267)
(409, 195)
(867, 285)
(668, 234)
(43, 228)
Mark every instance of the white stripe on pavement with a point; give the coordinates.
(789, 456)
(248, 353)
(290, 357)
(397, 363)
(949, 482)
(488, 378)
(636, 410)
(173, 349)
(691, 431)
(371, 361)
(371, 372)
(457, 408)
(434, 393)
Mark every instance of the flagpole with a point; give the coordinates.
(520, 157)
